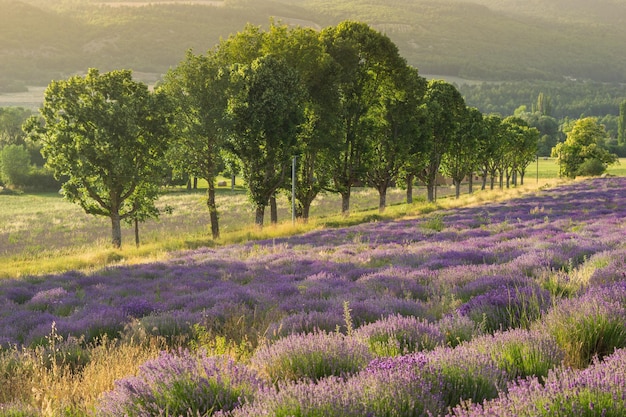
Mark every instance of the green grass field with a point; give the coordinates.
(43, 233)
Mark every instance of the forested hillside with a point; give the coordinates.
(573, 50)
(477, 39)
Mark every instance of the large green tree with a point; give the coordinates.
(265, 112)
(393, 126)
(198, 88)
(365, 58)
(621, 124)
(489, 149)
(106, 135)
(445, 110)
(462, 157)
(318, 140)
(583, 145)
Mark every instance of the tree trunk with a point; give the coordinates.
(273, 210)
(215, 228)
(382, 199)
(521, 177)
(493, 181)
(116, 230)
(430, 188)
(232, 182)
(306, 210)
(136, 232)
(470, 184)
(195, 183)
(260, 214)
(189, 184)
(409, 189)
(345, 202)
(457, 189)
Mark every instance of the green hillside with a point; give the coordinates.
(475, 39)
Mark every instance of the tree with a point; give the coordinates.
(198, 86)
(394, 125)
(318, 138)
(621, 128)
(489, 149)
(14, 165)
(11, 120)
(544, 105)
(519, 142)
(548, 127)
(364, 58)
(461, 159)
(583, 143)
(444, 107)
(265, 112)
(106, 134)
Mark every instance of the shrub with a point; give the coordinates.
(182, 385)
(463, 373)
(592, 167)
(457, 329)
(590, 325)
(521, 353)
(505, 308)
(14, 165)
(397, 335)
(599, 390)
(311, 356)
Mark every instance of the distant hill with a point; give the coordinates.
(491, 40)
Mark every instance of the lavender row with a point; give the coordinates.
(509, 373)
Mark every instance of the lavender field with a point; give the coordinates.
(513, 308)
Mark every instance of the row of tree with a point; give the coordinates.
(342, 101)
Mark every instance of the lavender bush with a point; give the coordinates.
(521, 353)
(588, 326)
(599, 390)
(504, 307)
(182, 385)
(310, 356)
(398, 335)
